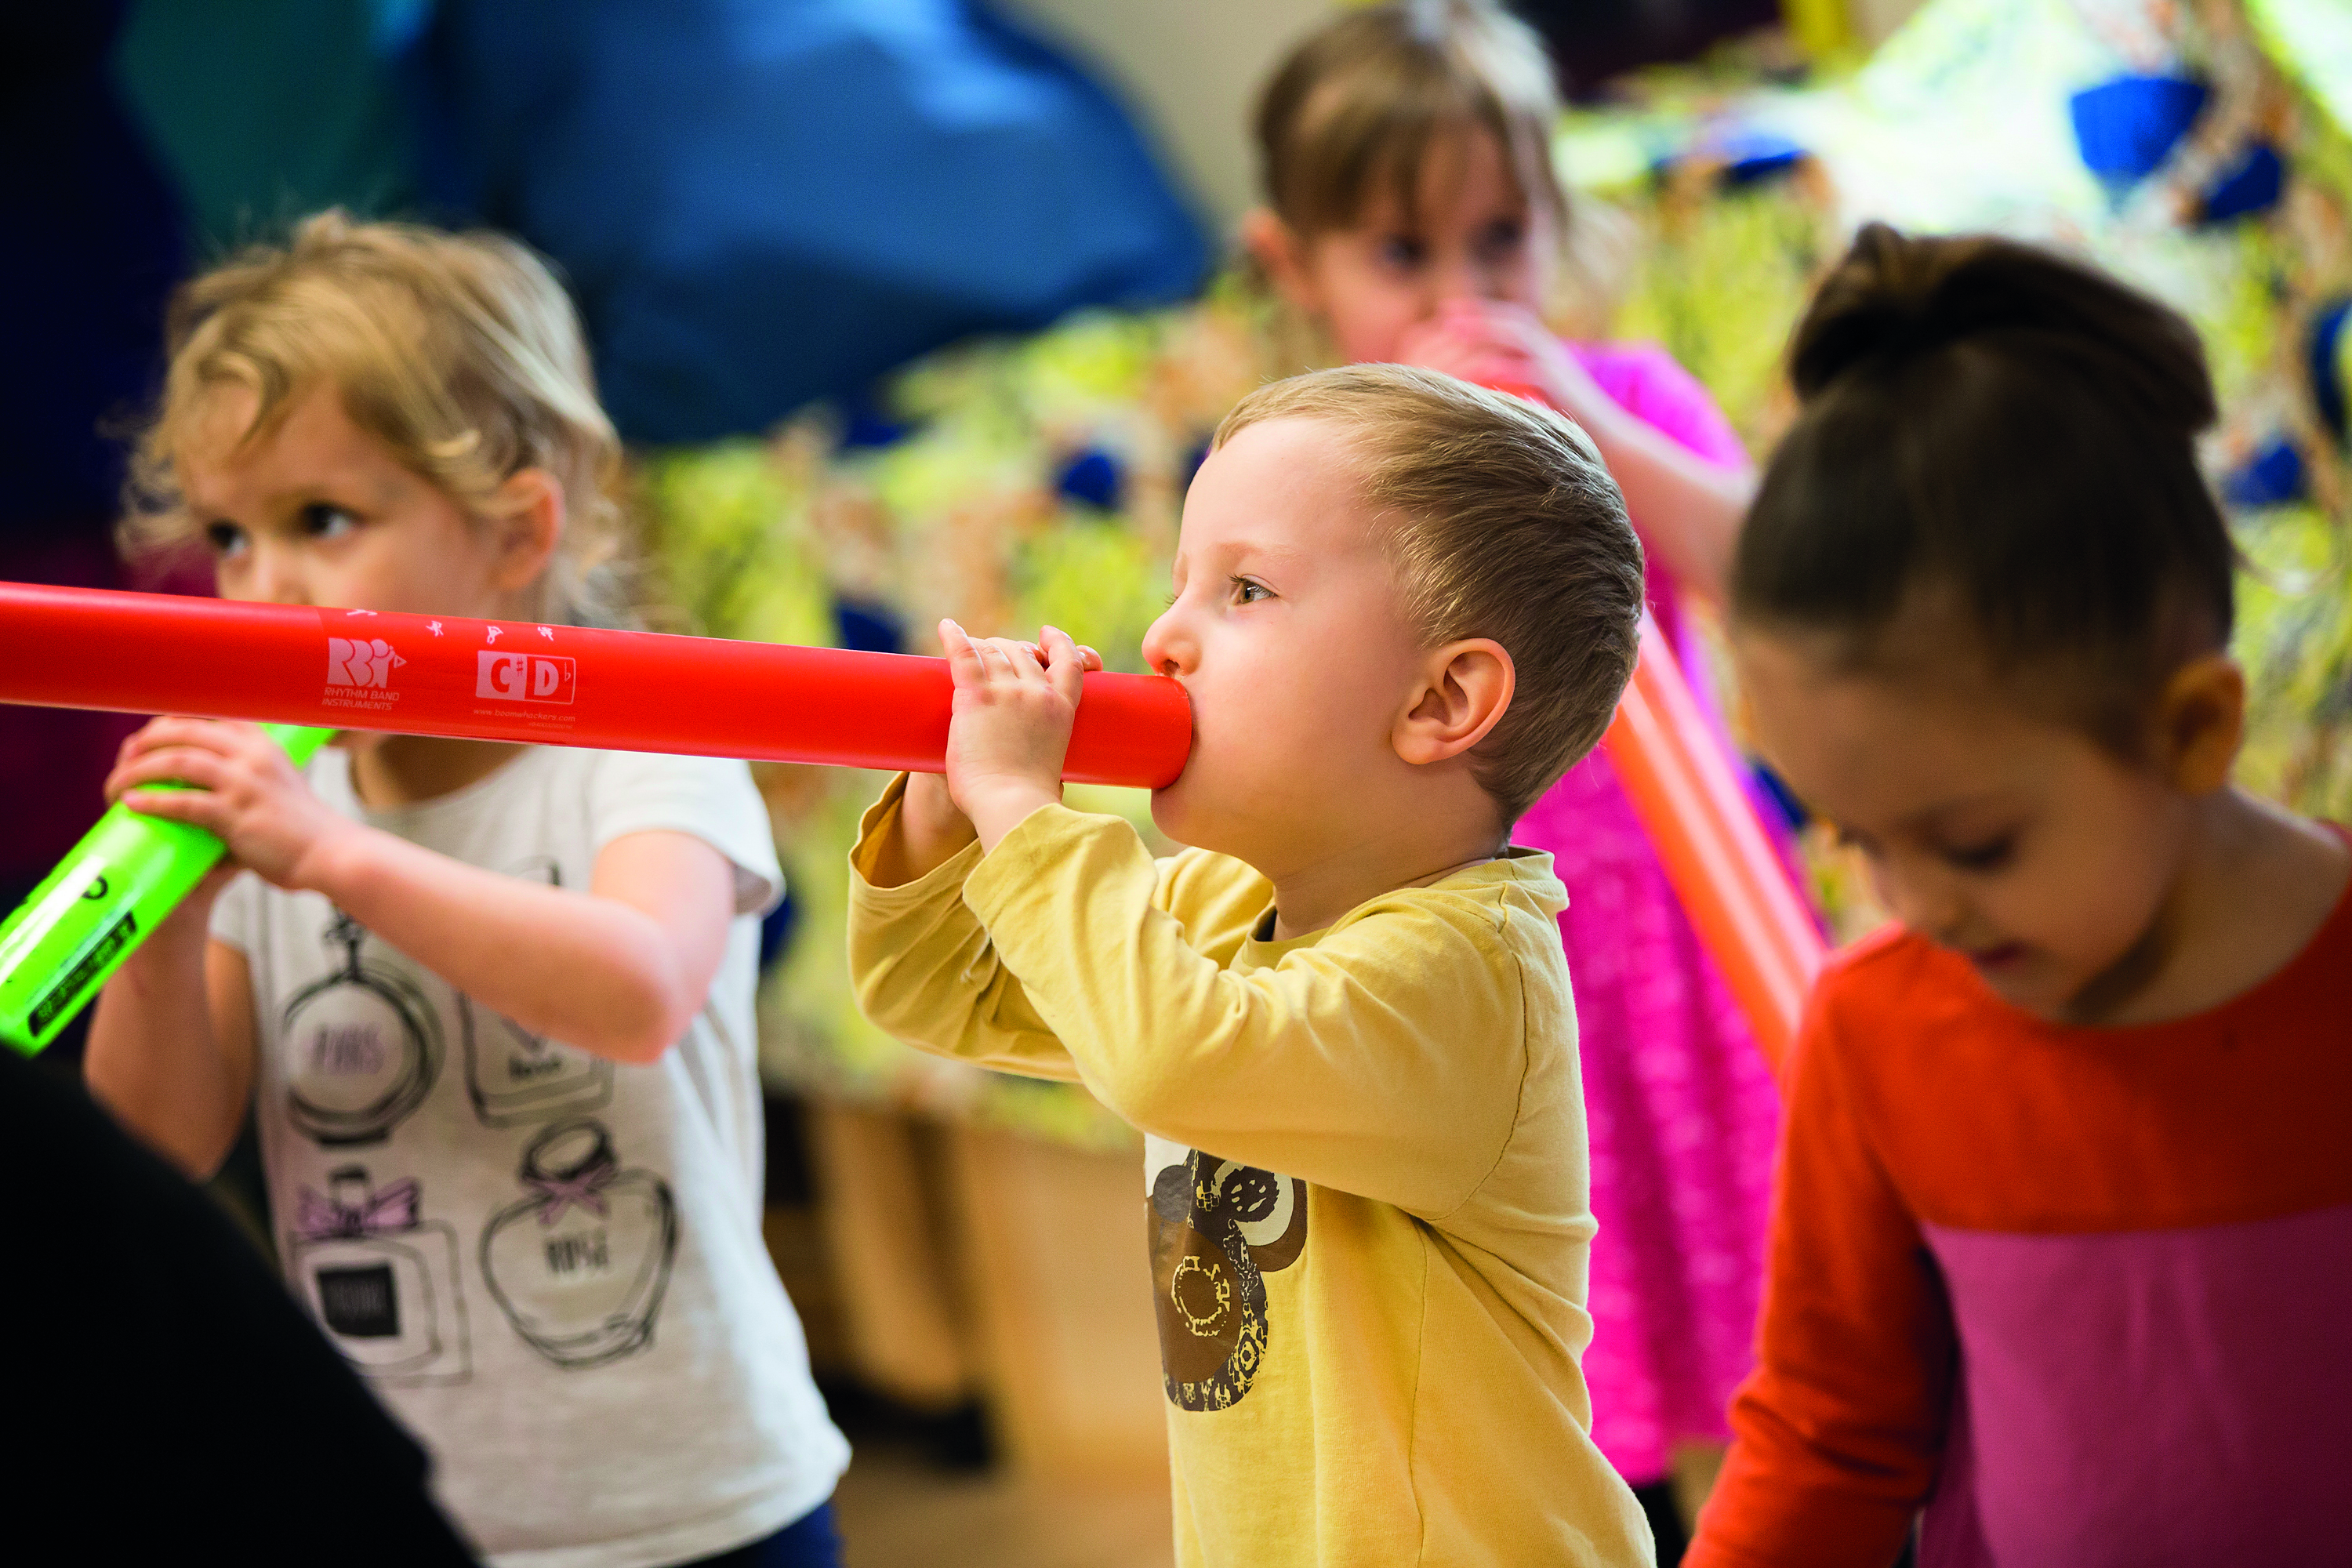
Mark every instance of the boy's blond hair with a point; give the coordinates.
(1504, 524)
(460, 353)
(1363, 98)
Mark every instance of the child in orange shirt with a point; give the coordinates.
(2065, 1222)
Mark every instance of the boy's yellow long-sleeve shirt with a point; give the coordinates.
(1365, 1175)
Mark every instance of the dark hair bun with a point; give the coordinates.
(2017, 431)
(1894, 299)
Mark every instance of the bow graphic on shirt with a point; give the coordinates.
(584, 1187)
(320, 1218)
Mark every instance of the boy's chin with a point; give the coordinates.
(1185, 818)
(1168, 813)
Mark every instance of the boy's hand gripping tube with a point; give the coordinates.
(118, 885)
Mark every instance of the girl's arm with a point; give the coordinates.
(619, 971)
(1689, 509)
(1839, 1433)
(171, 1042)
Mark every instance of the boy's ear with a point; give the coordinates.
(1281, 254)
(1464, 687)
(528, 526)
(2200, 722)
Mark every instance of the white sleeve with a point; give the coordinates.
(236, 914)
(712, 798)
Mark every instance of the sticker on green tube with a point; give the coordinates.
(119, 883)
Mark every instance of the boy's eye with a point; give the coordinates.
(1247, 592)
(323, 520)
(1402, 252)
(1989, 855)
(226, 537)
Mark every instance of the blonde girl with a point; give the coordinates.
(489, 1004)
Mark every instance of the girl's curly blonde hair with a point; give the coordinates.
(460, 352)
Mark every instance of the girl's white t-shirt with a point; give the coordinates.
(547, 1264)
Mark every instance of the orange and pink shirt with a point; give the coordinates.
(2078, 1294)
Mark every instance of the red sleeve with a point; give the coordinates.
(1837, 1434)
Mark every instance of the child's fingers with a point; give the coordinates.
(964, 662)
(173, 764)
(1017, 658)
(198, 808)
(159, 733)
(1066, 666)
(1479, 329)
(1501, 317)
(1024, 658)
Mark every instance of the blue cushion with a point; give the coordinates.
(2126, 126)
(2250, 185)
(758, 205)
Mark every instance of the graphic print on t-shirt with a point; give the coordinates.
(362, 1046)
(382, 1280)
(579, 1265)
(1217, 1229)
(515, 1077)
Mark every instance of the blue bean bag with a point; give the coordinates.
(2126, 127)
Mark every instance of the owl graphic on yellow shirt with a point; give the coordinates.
(1217, 1229)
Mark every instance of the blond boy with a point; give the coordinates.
(1342, 1019)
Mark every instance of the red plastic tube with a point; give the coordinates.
(1724, 869)
(518, 681)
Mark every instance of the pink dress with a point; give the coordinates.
(1683, 1110)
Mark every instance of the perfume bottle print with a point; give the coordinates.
(580, 1264)
(383, 1282)
(363, 1046)
(514, 1076)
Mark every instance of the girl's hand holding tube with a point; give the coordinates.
(1491, 343)
(247, 793)
(1687, 511)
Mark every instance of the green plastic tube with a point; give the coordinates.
(125, 875)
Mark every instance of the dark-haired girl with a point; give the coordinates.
(2062, 1238)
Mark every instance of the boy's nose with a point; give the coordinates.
(1167, 648)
